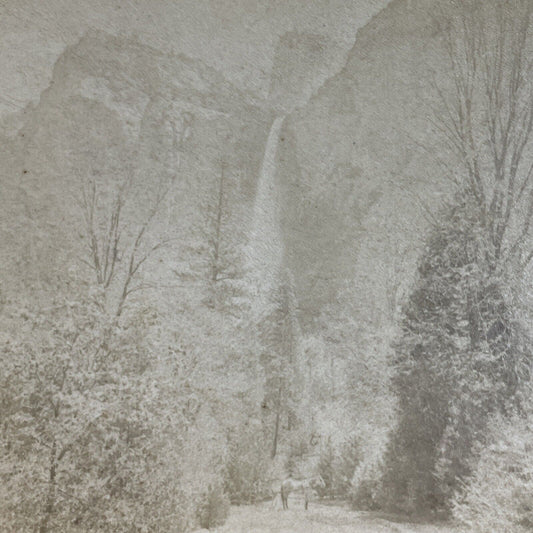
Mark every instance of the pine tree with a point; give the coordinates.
(461, 356)
(279, 360)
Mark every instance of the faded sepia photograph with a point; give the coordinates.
(266, 266)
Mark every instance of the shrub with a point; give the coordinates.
(367, 486)
(247, 469)
(349, 459)
(364, 496)
(297, 455)
(326, 468)
(214, 508)
(337, 466)
(499, 495)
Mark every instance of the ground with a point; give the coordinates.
(320, 518)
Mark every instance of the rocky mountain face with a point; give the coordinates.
(350, 171)
(301, 64)
(358, 161)
(116, 109)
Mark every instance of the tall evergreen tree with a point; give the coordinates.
(461, 356)
(279, 359)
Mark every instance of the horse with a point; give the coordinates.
(307, 486)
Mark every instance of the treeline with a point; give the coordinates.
(463, 355)
(142, 388)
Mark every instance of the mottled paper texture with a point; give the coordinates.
(266, 266)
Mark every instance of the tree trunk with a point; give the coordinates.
(218, 229)
(473, 321)
(276, 426)
(51, 495)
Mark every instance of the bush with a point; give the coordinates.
(364, 496)
(337, 467)
(326, 468)
(499, 495)
(247, 469)
(297, 455)
(214, 508)
(367, 486)
(349, 459)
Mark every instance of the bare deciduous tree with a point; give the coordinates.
(107, 245)
(486, 117)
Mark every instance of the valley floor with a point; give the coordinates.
(269, 518)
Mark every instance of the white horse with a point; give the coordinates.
(307, 486)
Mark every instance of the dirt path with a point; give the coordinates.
(265, 518)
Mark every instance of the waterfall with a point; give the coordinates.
(266, 244)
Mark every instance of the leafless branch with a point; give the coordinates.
(489, 112)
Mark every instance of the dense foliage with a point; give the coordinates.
(498, 494)
(461, 357)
